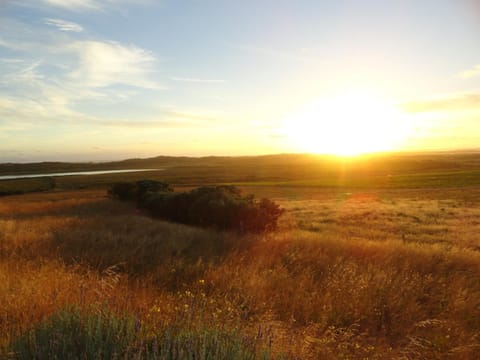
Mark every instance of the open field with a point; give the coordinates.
(239, 180)
(373, 171)
(386, 272)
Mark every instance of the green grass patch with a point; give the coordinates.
(69, 334)
(73, 334)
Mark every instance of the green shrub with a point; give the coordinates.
(143, 187)
(220, 207)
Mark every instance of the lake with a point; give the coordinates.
(97, 172)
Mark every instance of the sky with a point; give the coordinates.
(93, 80)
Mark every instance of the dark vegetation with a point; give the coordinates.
(220, 207)
(137, 191)
(23, 186)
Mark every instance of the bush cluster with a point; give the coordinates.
(136, 191)
(220, 207)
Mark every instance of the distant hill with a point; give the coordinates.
(298, 165)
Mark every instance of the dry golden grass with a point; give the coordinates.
(393, 274)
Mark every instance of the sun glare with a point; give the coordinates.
(348, 124)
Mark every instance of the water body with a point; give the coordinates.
(98, 172)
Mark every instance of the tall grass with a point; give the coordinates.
(73, 334)
(68, 334)
(360, 275)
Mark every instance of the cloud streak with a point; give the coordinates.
(453, 102)
(197, 80)
(63, 25)
(90, 5)
(75, 4)
(473, 72)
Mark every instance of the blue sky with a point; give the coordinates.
(110, 79)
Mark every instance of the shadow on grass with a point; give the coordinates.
(112, 234)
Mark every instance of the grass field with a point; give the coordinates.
(374, 171)
(352, 272)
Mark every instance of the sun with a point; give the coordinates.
(351, 123)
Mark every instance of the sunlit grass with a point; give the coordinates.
(354, 275)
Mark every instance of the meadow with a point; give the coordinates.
(383, 265)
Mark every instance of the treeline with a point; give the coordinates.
(220, 207)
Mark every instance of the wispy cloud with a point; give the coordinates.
(164, 118)
(4, 43)
(90, 5)
(143, 124)
(473, 72)
(201, 116)
(11, 45)
(75, 4)
(22, 114)
(64, 25)
(12, 61)
(28, 41)
(55, 81)
(197, 80)
(41, 100)
(103, 64)
(451, 102)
